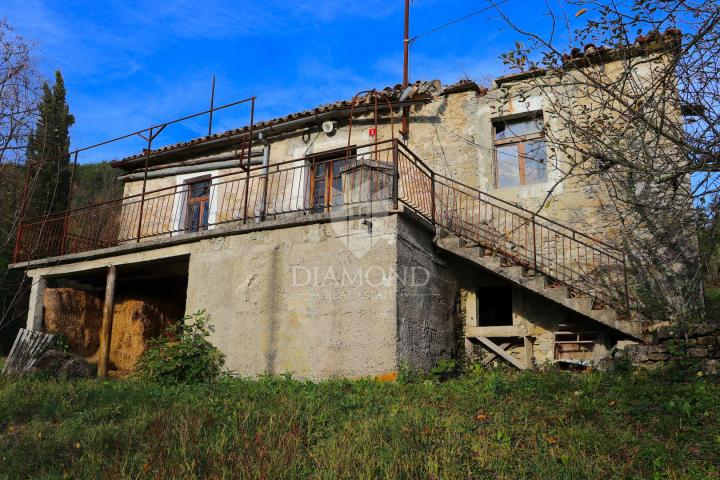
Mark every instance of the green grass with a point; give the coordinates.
(551, 425)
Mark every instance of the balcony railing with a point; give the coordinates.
(382, 172)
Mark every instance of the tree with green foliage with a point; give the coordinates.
(48, 149)
(95, 183)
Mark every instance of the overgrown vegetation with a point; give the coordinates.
(183, 354)
(486, 425)
(95, 183)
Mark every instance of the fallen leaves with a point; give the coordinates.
(481, 416)
(580, 12)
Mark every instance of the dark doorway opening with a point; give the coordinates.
(495, 306)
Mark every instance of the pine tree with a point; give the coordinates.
(48, 160)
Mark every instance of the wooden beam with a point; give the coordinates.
(500, 331)
(106, 329)
(492, 355)
(529, 353)
(501, 353)
(469, 348)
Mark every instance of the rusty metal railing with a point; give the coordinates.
(384, 171)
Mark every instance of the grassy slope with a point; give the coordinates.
(493, 425)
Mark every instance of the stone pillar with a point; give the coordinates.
(35, 309)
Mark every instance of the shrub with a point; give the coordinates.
(445, 369)
(183, 354)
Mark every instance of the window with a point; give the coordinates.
(198, 204)
(326, 188)
(520, 155)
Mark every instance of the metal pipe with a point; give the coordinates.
(72, 179)
(406, 68)
(266, 171)
(396, 175)
(144, 185)
(247, 176)
(212, 102)
(168, 172)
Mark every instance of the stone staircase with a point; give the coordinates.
(503, 266)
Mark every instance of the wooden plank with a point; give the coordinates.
(469, 348)
(20, 357)
(496, 331)
(28, 346)
(13, 350)
(501, 353)
(106, 329)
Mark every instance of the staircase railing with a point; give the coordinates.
(585, 264)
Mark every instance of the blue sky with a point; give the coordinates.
(128, 65)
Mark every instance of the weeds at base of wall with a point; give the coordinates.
(182, 354)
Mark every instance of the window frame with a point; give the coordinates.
(327, 159)
(520, 141)
(204, 202)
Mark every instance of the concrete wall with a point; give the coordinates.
(346, 298)
(316, 300)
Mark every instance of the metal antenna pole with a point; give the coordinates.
(406, 61)
(212, 104)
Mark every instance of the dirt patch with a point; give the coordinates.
(77, 315)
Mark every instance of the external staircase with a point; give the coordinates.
(560, 263)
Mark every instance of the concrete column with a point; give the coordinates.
(35, 309)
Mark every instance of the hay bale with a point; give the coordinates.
(75, 314)
(135, 321)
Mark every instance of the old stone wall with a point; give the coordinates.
(695, 348)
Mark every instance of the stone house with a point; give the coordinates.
(327, 243)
